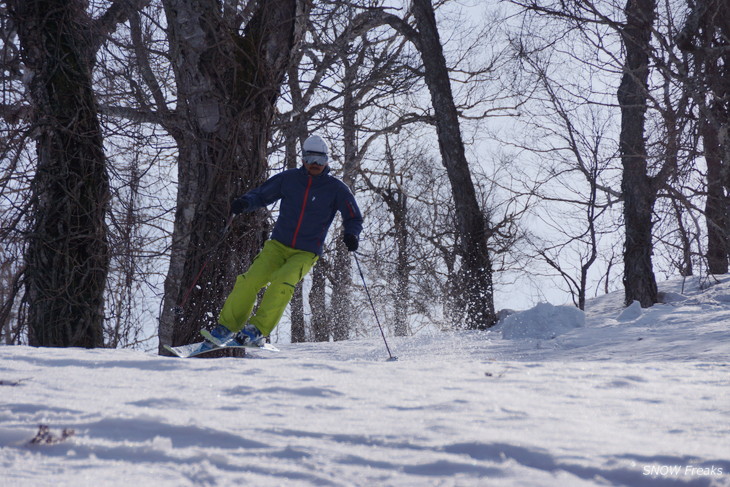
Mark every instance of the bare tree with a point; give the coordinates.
(227, 86)
(570, 136)
(396, 198)
(15, 177)
(67, 257)
(474, 251)
(10, 273)
(705, 37)
(645, 169)
(321, 329)
(138, 217)
(374, 71)
(637, 187)
(365, 68)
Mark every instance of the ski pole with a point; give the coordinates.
(382, 333)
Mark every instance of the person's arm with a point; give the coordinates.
(261, 196)
(351, 219)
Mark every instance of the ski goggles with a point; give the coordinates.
(316, 158)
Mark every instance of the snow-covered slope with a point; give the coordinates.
(616, 397)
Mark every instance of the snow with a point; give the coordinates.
(543, 321)
(552, 396)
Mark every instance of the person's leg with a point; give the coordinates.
(281, 289)
(239, 304)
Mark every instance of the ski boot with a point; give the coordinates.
(223, 337)
(249, 335)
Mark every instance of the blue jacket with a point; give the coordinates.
(308, 206)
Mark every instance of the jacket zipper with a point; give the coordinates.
(301, 214)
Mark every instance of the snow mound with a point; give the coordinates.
(631, 312)
(544, 321)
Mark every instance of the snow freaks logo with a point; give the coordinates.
(682, 471)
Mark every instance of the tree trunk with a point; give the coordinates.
(320, 327)
(67, 256)
(716, 205)
(476, 270)
(295, 132)
(227, 86)
(396, 199)
(637, 189)
(341, 303)
(709, 25)
(402, 266)
(298, 329)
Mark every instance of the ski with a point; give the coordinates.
(187, 351)
(213, 340)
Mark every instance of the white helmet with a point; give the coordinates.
(315, 150)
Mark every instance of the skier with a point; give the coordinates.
(310, 197)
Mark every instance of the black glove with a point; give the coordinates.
(239, 205)
(351, 242)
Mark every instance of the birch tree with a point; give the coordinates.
(229, 67)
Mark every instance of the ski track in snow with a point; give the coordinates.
(628, 397)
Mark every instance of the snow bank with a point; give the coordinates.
(544, 321)
(625, 397)
(631, 312)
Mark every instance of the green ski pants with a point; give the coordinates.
(280, 268)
